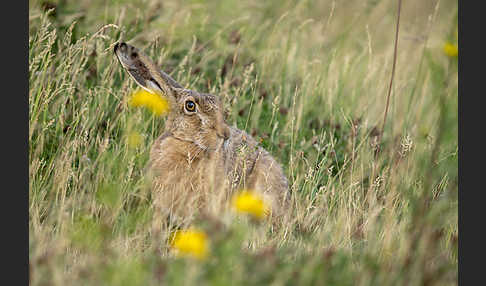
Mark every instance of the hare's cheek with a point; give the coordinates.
(205, 121)
(191, 124)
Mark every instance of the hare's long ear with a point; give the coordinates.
(144, 71)
(222, 128)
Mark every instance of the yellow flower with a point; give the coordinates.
(451, 50)
(190, 242)
(154, 102)
(134, 139)
(248, 202)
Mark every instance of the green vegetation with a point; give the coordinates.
(309, 80)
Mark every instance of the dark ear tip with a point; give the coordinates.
(121, 45)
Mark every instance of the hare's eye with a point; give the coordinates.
(190, 106)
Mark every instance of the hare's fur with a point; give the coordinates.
(199, 158)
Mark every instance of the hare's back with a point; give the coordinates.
(244, 157)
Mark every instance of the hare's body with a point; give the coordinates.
(199, 158)
(233, 164)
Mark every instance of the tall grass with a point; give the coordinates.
(309, 80)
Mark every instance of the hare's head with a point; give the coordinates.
(193, 116)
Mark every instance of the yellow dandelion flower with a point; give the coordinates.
(134, 139)
(251, 203)
(451, 50)
(157, 104)
(191, 242)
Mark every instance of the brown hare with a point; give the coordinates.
(200, 158)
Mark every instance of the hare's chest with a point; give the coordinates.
(173, 159)
(188, 176)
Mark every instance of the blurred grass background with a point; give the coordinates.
(308, 79)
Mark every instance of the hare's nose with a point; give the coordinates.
(121, 46)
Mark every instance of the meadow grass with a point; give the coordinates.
(308, 79)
